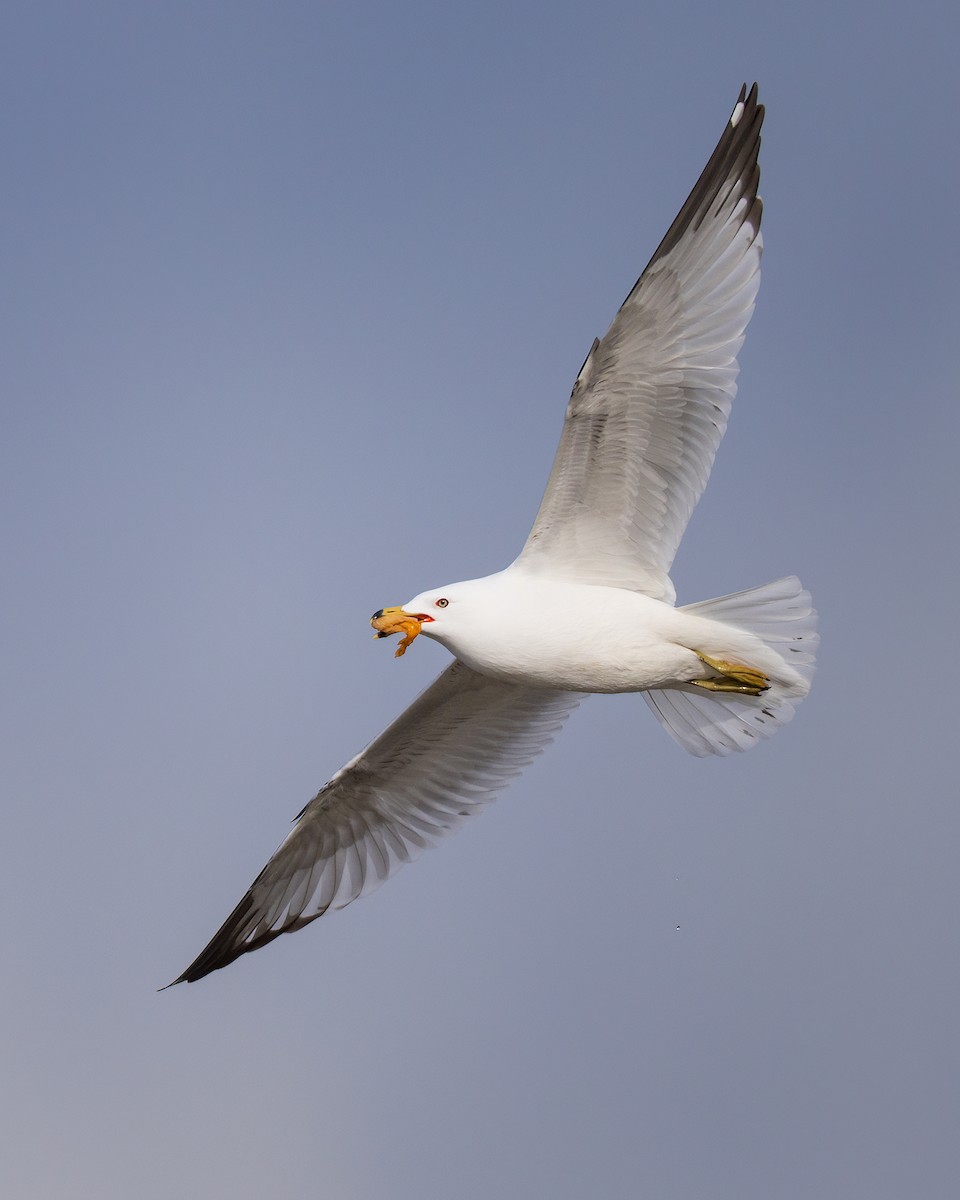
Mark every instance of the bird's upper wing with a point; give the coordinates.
(459, 743)
(650, 404)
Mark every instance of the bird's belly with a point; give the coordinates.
(623, 658)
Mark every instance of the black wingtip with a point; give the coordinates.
(222, 948)
(230, 942)
(739, 145)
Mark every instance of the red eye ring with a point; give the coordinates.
(442, 602)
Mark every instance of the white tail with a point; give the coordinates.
(781, 623)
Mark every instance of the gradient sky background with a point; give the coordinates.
(293, 297)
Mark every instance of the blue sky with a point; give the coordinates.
(293, 298)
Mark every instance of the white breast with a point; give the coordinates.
(571, 636)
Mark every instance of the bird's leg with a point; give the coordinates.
(746, 681)
(411, 629)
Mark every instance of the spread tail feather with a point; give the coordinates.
(780, 616)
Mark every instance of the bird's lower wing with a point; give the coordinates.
(445, 758)
(651, 402)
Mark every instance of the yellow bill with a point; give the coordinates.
(395, 620)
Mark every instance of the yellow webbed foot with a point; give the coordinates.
(412, 629)
(735, 677)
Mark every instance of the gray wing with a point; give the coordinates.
(441, 761)
(650, 404)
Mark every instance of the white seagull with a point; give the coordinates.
(588, 606)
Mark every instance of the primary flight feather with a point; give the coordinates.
(588, 606)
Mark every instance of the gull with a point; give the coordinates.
(588, 606)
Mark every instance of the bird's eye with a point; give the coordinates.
(442, 602)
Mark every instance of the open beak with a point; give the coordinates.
(397, 620)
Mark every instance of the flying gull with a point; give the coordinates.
(588, 606)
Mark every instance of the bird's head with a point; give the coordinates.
(433, 613)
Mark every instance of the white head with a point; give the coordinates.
(441, 610)
(442, 613)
